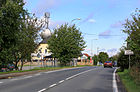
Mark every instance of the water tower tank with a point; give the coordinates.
(45, 34)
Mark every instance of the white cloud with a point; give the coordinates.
(91, 21)
(105, 34)
(117, 25)
(112, 51)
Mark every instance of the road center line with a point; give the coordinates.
(61, 81)
(1, 82)
(42, 90)
(79, 74)
(52, 85)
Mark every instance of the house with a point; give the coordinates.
(84, 60)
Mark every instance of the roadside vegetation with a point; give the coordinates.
(44, 68)
(66, 43)
(130, 84)
(131, 76)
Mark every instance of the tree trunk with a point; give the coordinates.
(21, 64)
(16, 66)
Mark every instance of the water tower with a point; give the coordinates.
(46, 33)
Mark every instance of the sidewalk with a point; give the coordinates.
(29, 67)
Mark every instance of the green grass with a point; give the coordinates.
(42, 68)
(128, 81)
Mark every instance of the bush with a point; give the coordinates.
(135, 73)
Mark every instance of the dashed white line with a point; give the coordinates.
(28, 77)
(78, 74)
(1, 82)
(61, 81)
(52, 85)
(42, 90)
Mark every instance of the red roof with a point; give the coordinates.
(86, 54)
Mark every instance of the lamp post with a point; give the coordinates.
(74, 20)
(92, 50)
(92, 46)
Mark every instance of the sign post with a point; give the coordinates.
(129, 52)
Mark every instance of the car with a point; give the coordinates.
(8, 67)
(108, 64)
(11, 67)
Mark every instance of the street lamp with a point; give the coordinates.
(74, 20)
(92, 46)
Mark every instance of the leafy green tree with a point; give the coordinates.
(113, 58)
(122, 60)
(11, 17)
(28, 38)
(18, 33)
(103, 56)
(66, 43)
(132, 29)
(95, 59)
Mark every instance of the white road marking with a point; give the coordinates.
(27, 77)
(78, 74)
(1, 82)
(115, 88)
(52, 85)
(42, 90)
(61, 81)
(37, 74)
(14, 79)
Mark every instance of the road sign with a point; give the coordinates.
(129, 52)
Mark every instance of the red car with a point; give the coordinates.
(108, 64)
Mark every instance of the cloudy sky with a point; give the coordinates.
(100, 19)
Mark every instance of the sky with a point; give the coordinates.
(101, 20)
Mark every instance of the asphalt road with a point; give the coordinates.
(86, 79)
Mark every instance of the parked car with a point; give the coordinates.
(108, 64)
(5, 68)
(11, 67)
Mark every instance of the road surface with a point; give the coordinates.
(86, 79)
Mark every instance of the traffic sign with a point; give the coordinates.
(129, 52)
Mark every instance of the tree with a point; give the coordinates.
(103, 56)
(18, 33)
(132, 29)
(28, 38)
(113, 58)
(11, 16)
(122, 60)
(95, 59)
(66, 43)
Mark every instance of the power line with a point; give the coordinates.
(101, 35)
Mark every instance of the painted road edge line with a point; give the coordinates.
(115, 87)
(42, 90)
(61, 81)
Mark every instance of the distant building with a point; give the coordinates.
(84, 60)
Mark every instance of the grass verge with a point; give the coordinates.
(44, 68)
(128, 82)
